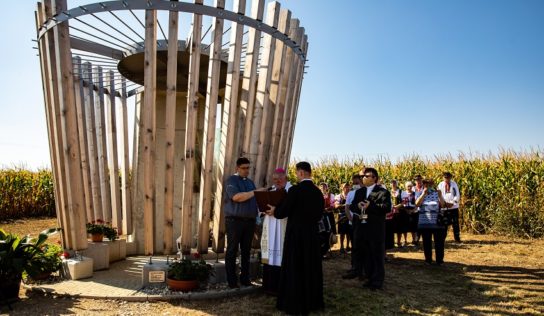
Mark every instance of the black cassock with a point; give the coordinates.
(301, 278)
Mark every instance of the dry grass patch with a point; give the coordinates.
(485, 275)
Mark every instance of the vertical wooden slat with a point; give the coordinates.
(287, 103)
(82, 136)
(149, 125)
(101, 147)
(210, 117)
(170, 130)
(261, 99)
(137, 231)
(92, 155)
(76, 200)
(191, 125)
(271, 102)
(296, 99)
(113, 157)
(229, 127)
(279, 109)
(126, 193)
(46, 53)
(247, 95)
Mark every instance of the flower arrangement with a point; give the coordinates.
(101, 227)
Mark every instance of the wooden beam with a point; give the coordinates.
(210, 117)
(113, 156)
(126, 193)
(92, 154)
(82, 136)
(283, 132)
(296, 99)
(262, 97)
(249, 80)
(76, 200)
(149, 126)
(101, 146)
(192, 117)
(229, 128)
(276, 66)
(48, 67)
(96, 48)
(170, 131)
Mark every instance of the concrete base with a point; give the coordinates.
(118, 249)
(78, 269)
(155, 273)
(220, 275)
(132, 247)
(100, 253)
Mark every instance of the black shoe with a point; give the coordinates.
(428, 262)
(233, 286)
(350, 275)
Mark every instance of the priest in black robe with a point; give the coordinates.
(301, 277)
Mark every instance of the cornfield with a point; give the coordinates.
(502, 193)
(26, 193)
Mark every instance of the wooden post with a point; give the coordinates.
(284, 85)
(170, 130)
(296, 99)
(284, 133)
(247, 96)
(92, 155)
(76, 200)
(270, 103)
(113, 157)
(262, 98)
(82, 137)
(126, 194)
(229, 127)
(48, 66)
(210, 117)
(190, 136)
(100, 119)
(149, 125)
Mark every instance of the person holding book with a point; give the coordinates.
(273, 237)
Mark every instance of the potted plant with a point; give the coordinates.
(44, 262)
(186, 275)
(16, 257)
(98, 229)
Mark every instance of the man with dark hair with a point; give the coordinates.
(240, 214)
(373, 202)
(301, 277)
(452, 196)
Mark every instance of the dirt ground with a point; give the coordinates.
(484, 275)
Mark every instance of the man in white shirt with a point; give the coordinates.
(452, 195)
(356, 265)
(272, 239)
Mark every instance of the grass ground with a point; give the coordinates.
(485, 275)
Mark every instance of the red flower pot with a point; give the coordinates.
(184, 286)
(97, 237)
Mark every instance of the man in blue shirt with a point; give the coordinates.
(240, 214)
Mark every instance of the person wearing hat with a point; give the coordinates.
(273, 237)
(452, 195)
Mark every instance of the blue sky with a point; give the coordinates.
(386, 77)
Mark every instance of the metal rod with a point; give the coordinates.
(133, 31)
(206, 33)
(95, 56)
(132, 40)
(75, 28)
(105, 33)
(134, 15)
(163, 35)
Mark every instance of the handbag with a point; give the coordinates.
(443, 219)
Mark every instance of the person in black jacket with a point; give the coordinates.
(301, 278)
(373, 202)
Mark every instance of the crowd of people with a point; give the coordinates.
(298, 231)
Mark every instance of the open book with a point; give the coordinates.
(269, 197)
